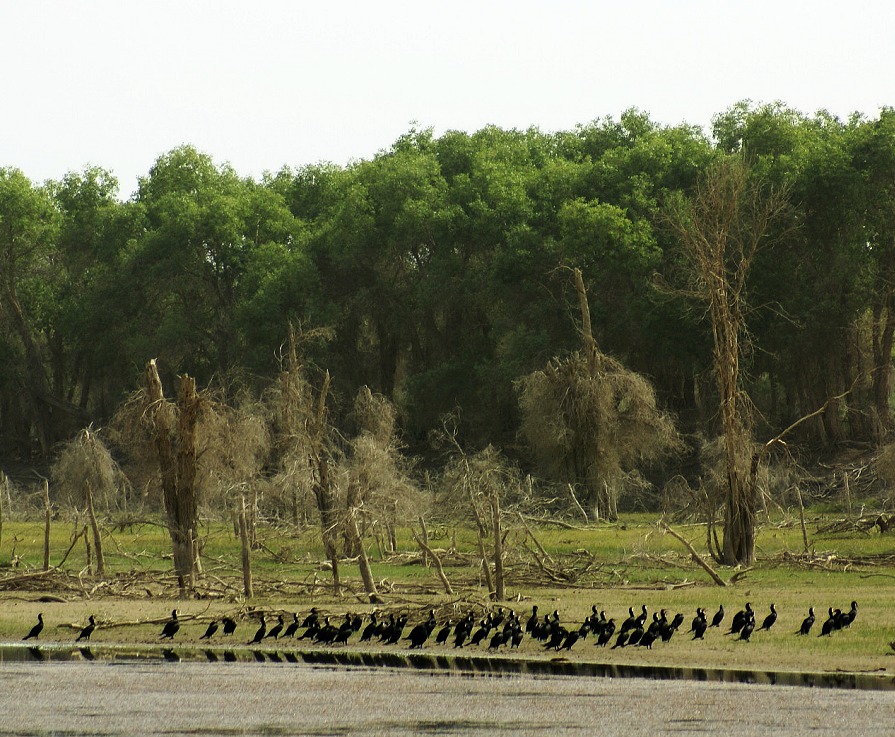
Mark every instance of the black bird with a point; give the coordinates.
(420, 633)
(532, 620)
(769, 620)
(212, 628)
(229, 626)
(700, 625)
(622, 640)
(748, 627)
(171, 627)
(648, 639)
(292, 628)
(635, 635)
(739, 619)
(830, 624)
(606, 633)
(556, 639)
(500, 637)
(444, 633)
(326, 632)
(260, 632)
(630, 623)
(36, 629)
(277, 628)
(642, 617)
(312, 619)
(807, 623)
(88, 630)
(718, 618)
(848, 617)
(370, 629)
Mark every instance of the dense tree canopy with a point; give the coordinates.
(436, 266)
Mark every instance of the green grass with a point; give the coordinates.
(632, 563)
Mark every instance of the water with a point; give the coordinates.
(153, 696)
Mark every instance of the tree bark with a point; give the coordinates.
(176, 452)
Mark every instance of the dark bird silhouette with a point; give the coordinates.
(444, 633)
(171, 627)
(229, 626)
(830, 624)
(807, 623)
(276, 629)
(370, 629)
(635, 635)
(88, 630)
(848, 617)
(739, 619)
(212, 628)
(260, 632)
(700, 625)
(292, 628)
(35, 631)
(606, 633)
(621, 641)
(312, 619)
(769, 620)
(557, 637)
(630, 623)
(648, 639)
(748, 627)
(532, 620)
(718, 618)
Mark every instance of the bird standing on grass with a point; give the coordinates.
(769, 620)
(36, 629)
(88, 630)
(212, 628)
(171, 627)
(807, 623)
(260, 632)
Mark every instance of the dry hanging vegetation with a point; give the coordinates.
(592, 421)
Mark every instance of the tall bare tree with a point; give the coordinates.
(721, 228)
(591, 421)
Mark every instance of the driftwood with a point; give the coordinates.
(430, 554)
(696, 556)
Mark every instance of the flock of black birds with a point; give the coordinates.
(500, 628)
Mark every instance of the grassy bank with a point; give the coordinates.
(612, 567)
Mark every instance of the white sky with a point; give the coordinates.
(266, 83)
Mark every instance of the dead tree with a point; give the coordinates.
(721, 229)
(174, 437)
(590, 421)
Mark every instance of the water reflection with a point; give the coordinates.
(171, 656)
(35, 652)
(86, 653)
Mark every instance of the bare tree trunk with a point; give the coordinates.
(177, 469)
(47, 516)
(247, 584)
(363, 562)
(499, 588)
(94, 526)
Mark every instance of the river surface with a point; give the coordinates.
(238, 698)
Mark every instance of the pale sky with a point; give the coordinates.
(261, 84)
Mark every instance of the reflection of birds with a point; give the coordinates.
(171, 627)
(86, 653)
(169, 655)
(212, 628)
(36, 629)
(88, 630)
(35, 652)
